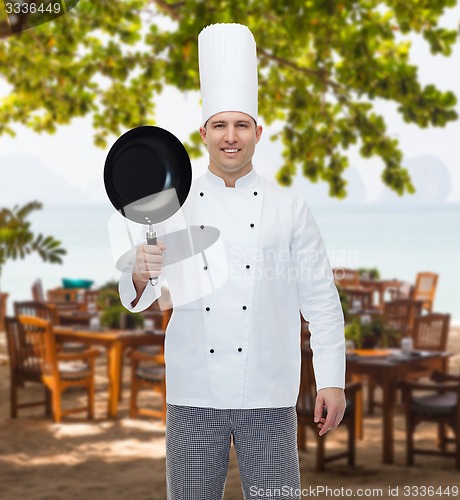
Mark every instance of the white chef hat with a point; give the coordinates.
(228, 70)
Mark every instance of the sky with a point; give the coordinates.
(71, 155)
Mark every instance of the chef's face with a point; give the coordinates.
(231, 138)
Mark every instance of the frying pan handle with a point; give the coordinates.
(151, 237)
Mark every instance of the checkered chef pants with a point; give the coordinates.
(198, 446)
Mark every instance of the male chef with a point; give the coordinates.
(232, 350)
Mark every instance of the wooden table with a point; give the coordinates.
(72, 318)
(387, 370)
(115, 342)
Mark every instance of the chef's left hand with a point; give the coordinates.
(334, 399)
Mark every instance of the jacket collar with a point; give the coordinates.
(242, 182)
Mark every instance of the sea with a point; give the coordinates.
(399, 241)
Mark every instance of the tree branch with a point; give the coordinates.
(5, 29)
(171, 9)
(321, 74)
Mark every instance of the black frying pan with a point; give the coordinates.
(147, 176)
(143, 163)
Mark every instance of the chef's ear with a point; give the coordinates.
(203, 133)
(259, 130)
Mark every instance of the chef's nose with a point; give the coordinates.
(231, 135)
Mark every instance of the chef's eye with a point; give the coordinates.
(242, 125)
(218, 125)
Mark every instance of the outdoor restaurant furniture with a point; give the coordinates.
(442, 406)
(399, 315)
(75, 317)
(375, 291)
(37, 309)
(115, 342)
(359, 298)
(63, 295)
(431, 332)
(39, 296)
(425, 289)
(33, 349)
(3, 297)
(47, 312)
(22, 368)
(80, 298)
(384, 288)
(147, 377)
(305, 413)
(388, 367)
(90, 300)
(360, 301)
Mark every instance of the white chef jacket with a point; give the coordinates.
(237, 345)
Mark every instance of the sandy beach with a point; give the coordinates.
(125, 459)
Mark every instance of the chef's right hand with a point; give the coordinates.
(149, 262)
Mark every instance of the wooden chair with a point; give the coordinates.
(48, 312)
(431, 332)
(425, 289)
(23, 367)
(442, 406)
(36, 309)
(400, 314)
(142, 377)
(34, 349)
(305, 413)
(151, 376)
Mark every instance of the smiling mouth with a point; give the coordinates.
(230, 151)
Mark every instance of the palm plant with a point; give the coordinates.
(17, 240)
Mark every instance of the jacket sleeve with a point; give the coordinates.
(126, 288)
(319, 300)
(128, 293)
